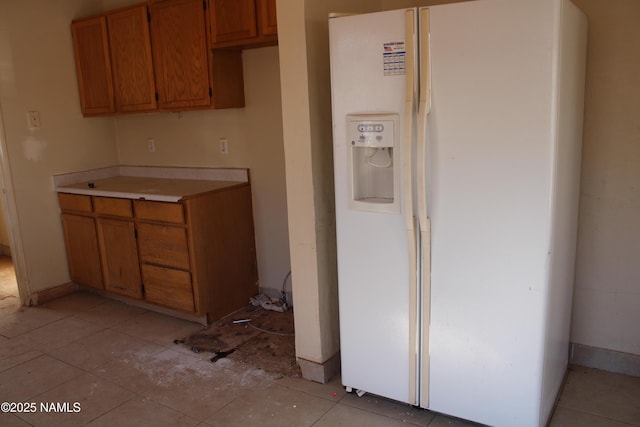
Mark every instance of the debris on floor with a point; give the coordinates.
(268, 303)
(262, 338)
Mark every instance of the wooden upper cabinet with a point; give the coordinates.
(180, 54)
(131, 59)
(157, 56)
(267, 21)
(243, 23)
(93, 66)
(232, 20)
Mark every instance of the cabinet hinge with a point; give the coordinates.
(204, 4)
(157, 97)
(210, 92)
(135, 233)
(142, 288)
(148, 16)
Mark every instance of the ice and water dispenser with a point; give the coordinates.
(374, 162)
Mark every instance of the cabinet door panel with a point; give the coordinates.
(119, 255)
(180, 56)
(93, 66)
(82, 250)
(131, 62)
(232, 20)
(168, 287)
(163, 245)
(267, 21)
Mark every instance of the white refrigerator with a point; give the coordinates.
(457, 147)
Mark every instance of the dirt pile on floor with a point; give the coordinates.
(261, 338)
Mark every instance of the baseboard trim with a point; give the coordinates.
(45, 295)
(606, 360)
(320, 372)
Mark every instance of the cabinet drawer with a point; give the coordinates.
(112, 206)
(159, 211)
(168, 287)
(163, 245)
(74, 202)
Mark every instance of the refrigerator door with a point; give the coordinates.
(369, 75)
(491, 149)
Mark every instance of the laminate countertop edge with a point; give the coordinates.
(165, 184)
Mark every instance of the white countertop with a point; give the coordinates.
(149, 183)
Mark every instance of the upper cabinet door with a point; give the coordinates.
(131, 59)
(180, 55)
(267, 21)
(232, 20)
(93, 66)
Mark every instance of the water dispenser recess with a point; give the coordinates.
(374, 162)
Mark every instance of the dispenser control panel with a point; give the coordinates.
(369, 133)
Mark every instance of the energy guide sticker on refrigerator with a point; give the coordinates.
(394, 58)
(457, 147)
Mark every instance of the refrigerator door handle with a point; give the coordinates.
(407, 187)
(424, 109)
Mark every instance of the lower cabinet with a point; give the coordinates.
(119, 253)
(196, 256)
(82, 250)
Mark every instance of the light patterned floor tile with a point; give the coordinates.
(388, 408)
(75, 303)
(13, 353)
(96, 351)
(84, 399)
(34, 377)
(274, 406)
(564, 417)
(141, 411)
(58, 334)
(111, 313)
(333, 390)
(158, 328)
(349, 416)
(20, 320)
(608, 395)
(203, 388)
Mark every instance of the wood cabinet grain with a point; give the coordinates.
(119, 254)
(93, 66)
(243, 23)
(131, 59)
(82, 250)
(180, 54)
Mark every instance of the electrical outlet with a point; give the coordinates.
(224, 146)
(151, 145)
(33, 119)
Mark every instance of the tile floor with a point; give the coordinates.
(120, 364)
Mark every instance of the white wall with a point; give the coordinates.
(37, 72)
(607, 290)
